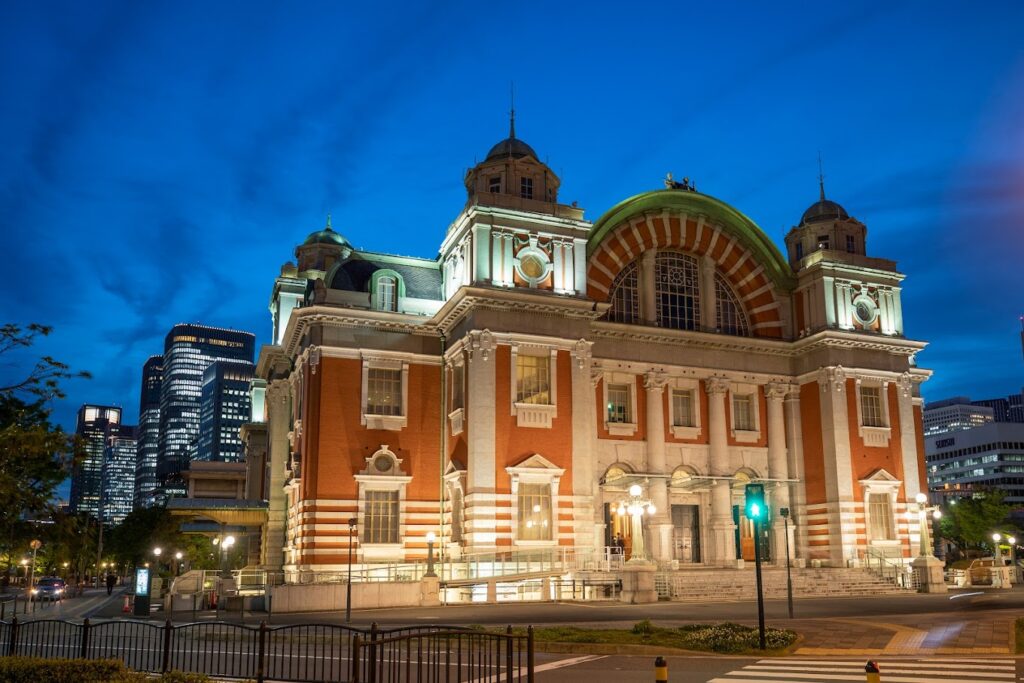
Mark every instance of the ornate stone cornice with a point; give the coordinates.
(777, 391)
(481, 345)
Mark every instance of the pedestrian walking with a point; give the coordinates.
(111, 580)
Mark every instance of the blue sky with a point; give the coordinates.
(161, 160)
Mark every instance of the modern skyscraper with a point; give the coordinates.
(224, 408)
(188, 350)
(119, 463)
(989, 456)
(95, 425)
(146, 482)
(954, 415)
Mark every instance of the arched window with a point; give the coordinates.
(625, 296)
(387, 293)
(729, 317)
(677, 292)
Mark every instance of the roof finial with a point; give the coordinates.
(512, 110)
(328, 220)
(821, 178)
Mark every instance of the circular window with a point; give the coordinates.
(864, 310)
(382, 463)
(532, 267)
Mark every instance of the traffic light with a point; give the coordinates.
(756, 508)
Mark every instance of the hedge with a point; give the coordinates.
(38, 670)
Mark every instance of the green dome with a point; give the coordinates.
(325, 236)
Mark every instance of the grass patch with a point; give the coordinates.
(727, 638)
(1020, 635)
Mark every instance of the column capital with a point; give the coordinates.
(777, 391)
(834, 377)
(716, 385)
(582, 351)
(655, 380)
(278, 390)
(481, 343)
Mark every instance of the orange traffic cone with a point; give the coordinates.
(127, 607)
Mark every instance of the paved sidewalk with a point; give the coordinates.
(980, 633)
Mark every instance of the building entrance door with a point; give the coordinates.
(745, 536)
(686, 532)
(618, 526)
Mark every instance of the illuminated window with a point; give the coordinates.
(682, 408)
(533, 379)
(534, 508)
(380, 523)
(384, 391)
(619, 409)
(526, 188)
(625, 297)
(729, 317)
(823, 242)
(880, 513)
(871, 407)
(743, 413)
(676, 291)
(387, 293)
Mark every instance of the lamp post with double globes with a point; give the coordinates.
(929, 568)
(638, 572)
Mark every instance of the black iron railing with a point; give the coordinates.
(302, 652)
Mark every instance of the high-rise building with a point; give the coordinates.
(224, 408)
(1005, 409)
(95, 425)
(989, 456)
(146, 482)
(119, 464)
(188, 351)
(954, 415)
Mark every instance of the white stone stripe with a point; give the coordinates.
(744, 257)
(652, 231)
(750, 276)
(625, 247)
(634, 225)
(728, 250)
(596, 262)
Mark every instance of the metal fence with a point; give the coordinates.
(317, 653)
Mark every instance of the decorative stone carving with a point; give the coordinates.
(906, 385)
(655, 380)
(836, 377)
(314, 359)
(777, 390)
(481, 343)
(716, 385)
(583, 353)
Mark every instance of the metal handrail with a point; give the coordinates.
(895, 572)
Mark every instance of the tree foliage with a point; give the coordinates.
(971, 521)
(42, 380)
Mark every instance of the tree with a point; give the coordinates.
(35, 455)
(971, 521)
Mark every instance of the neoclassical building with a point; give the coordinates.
(507, 393)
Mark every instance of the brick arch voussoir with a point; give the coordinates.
(631, 238)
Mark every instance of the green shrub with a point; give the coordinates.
(37, 670)
(643, 628)
(729, 637)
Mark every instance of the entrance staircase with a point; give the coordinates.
(703, 585)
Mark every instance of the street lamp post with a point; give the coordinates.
(430, 554)
(225, 548)
(635, 506)
(997, 564)
(929, 568)
(1013, 556)
(348, 584)
(789, 579)
(177, 564)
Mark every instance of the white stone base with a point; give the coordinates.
(930, 570)
(638, 584)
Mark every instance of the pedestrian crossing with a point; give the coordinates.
(930, 670)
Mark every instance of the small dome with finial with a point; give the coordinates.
(511, 146)
(824, 209)
(326, 236)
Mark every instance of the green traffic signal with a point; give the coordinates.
(755, 508)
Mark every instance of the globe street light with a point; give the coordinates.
(997, 554)
(635, 506)
(924, 525)
(225, 547)
(430, 553)
(1013, 555)
(177, 564)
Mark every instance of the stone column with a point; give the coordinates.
(723, 529)
(278, 425)
(661, 524)
(778, 468)
(648, 302)
(479, 522)
(584, 432)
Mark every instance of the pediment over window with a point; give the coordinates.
(880, 477)
(383, 463)
(534, 464)
(455, 466)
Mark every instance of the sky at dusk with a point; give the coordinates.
(161, 160)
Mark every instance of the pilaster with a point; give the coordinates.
(835, 426)
(778, 466)
(584, 432)
(723, 541)
(479, 517)
(661, 524)
(278, 452)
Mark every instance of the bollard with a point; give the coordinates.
(873, 673)
(660, 670)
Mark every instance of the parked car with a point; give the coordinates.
(49, 588)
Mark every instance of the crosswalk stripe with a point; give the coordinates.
(999, 664)
(801, 677)
(1001, 672)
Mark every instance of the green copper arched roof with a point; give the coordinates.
(694, 204)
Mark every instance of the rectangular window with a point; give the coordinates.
(849, 244)
(526, 188)
(458, 386)
(799, 250)
(682, 408)
(619, 409)
(871, 407)
(880, 512)
(533, 379)
(380, 524)
(494, 184)
(384, 391)
(823, 242)
(534, 512)
(386, 294)
(743, 413)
